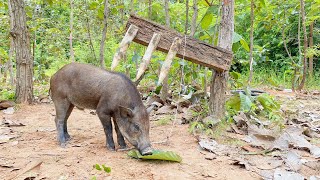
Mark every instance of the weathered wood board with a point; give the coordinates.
(191, 49)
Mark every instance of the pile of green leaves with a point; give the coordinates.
(156, 155)
(261, 106)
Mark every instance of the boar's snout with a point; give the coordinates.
(146, 151)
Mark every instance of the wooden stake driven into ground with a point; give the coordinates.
(191, 49)
(148, 54)
(167, 63)
(131, 33)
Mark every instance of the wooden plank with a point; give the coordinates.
(191, 49)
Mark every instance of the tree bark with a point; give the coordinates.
(90, 39)
(251, 42)
(219, 79)
(165, 86)
(150, 9)
(104, 32)
(187, 18)
(166, 9)
(311, 45)
(24, 61)
(305, 45)
(71, 30)
(10, 61)
(194, 17)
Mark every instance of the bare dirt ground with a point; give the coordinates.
(34, 153)
(36, 143)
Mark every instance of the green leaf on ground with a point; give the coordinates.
(156, 155)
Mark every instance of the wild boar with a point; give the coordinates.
(111, 94)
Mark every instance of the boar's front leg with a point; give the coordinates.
(120, 138)
(107, 126)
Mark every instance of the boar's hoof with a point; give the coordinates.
(146, 151)
(67, 136)
(111, 148)
(63, 145)
(123, 148)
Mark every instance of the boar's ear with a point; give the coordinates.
(125, 112)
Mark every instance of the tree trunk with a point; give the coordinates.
(305, 45)
(219, 80)
(311, 45)
(24, 61)
(10, 61)
(194, 17)
(104, 32)
(187, 17)
(150, 9)
(71, 30)
(165, 86)
(90, 39)
(251, 42)
(132, 6)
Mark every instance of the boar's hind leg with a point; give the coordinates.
(62, 107)
(120, 138)
(107, 126)
(65, 127)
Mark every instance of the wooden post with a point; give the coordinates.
(167, 63)
(219, 79)
(148, 54)
(130, 34)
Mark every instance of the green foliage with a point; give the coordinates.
(263, 105)
(156, 155)
(7, 94)
(102, 167)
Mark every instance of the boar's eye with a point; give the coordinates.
(136, 127)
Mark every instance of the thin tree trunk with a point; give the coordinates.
(305, 46)
(10, 61)
(251, 42)
(311, 45)
(150, 9)
(104, 32)
(166, 9)
(219, 79)
(24, 62)
(187, 17)
(90, 39)
(71, 30)
(165, 86)
(194, 17)
(132, 6)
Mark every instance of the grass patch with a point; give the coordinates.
(164, 121)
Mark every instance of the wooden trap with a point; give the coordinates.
(158, 37)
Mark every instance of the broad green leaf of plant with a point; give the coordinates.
(245, 102)
(97, 167)
(244, 44)
(106, 169)
(236, 37)
(235, 75)
(268, 103)
(234, 102)
(156, 155)
(206, 21)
